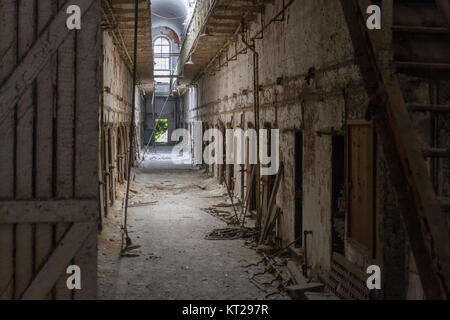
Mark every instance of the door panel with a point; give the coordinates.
(361, 183)
(49, 167)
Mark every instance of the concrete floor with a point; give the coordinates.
(174, 260)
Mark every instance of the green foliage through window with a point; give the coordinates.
(161, 130)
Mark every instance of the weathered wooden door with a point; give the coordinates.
(49, 147)
(361, 183)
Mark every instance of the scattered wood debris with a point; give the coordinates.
(231, 234)
(223, 215)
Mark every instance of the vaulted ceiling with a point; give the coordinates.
(171, 14)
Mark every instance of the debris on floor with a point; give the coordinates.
(152, 256)
(231, 234)
(270, 276)
(173, 245)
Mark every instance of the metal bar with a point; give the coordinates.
(243, 51)
(132, 125)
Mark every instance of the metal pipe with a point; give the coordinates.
(256, 117)
(255, 37)
(116, 31)
(131, 135)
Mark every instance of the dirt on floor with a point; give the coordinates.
(168, 220)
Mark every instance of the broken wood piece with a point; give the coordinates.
(246, 205)
(274, 220)
(232, 201)
(271, 203)
(296, 272)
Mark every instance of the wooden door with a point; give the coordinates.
(49, 148)
(360, 148)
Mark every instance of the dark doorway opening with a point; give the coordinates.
(338, 194)
(298, 228)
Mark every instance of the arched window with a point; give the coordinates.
(162, 50)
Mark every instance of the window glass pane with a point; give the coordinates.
(161, 63)
(164, 41)
(165, 49)
(161, 49)
(162, 73)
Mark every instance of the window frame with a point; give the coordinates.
(159, 54)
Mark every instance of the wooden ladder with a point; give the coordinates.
(414, 40)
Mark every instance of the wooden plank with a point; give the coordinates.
(45, 104)
(24, 261)
(56, 265)
(347, 280)
(413, 222)
(33, 60)
(271, 204)
(416, 174)
(86, 145)
(361, 182)
(359, 273)
(65, 110)
(295, 271)
(57, 211)
(8, 61)
(250, 180)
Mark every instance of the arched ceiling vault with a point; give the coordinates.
(170, 13)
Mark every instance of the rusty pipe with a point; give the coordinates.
(256, 116)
